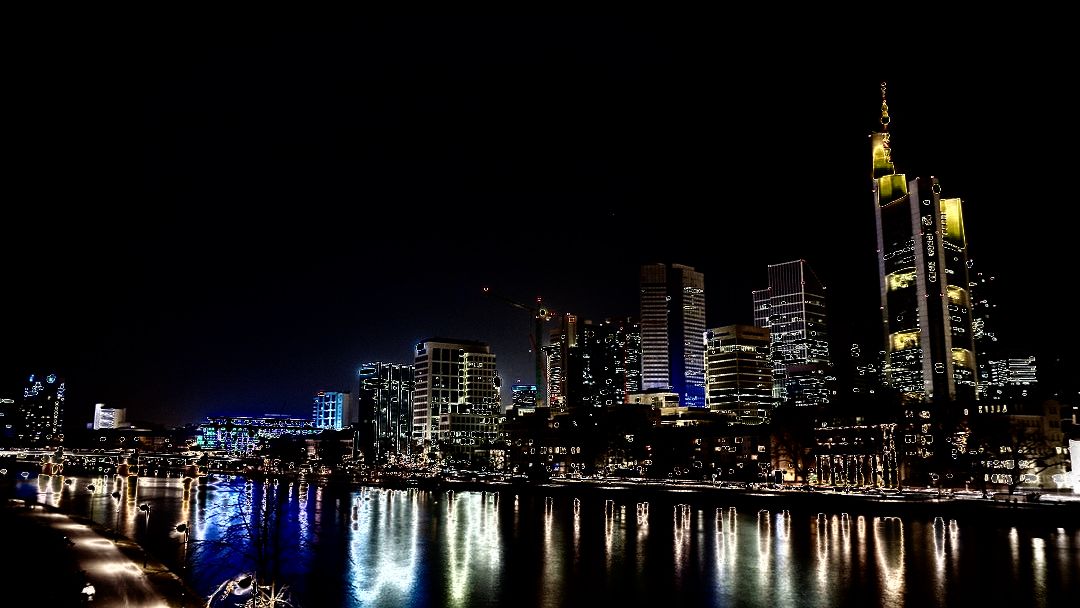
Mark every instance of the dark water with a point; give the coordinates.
(372, 547)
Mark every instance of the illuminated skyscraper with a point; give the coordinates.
(738, 372)
(41, 412)
(524, 396)
(333, 410)
(672, 331)
(456, 397)
(594, 365)
(385, 404)
(922, 264)
(792, 308)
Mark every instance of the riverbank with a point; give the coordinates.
(52, 554)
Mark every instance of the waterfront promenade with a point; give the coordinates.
(50, 555)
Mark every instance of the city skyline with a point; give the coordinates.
(316, 200)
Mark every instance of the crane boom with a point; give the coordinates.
(540, 315)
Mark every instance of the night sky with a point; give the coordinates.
(229, 218)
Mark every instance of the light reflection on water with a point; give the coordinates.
(375, 547)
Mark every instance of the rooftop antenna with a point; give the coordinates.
(885, 120)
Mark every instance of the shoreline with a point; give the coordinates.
(1057, 509)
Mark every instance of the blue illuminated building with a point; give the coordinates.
(673, 331)
(242, 435)
(333, 410)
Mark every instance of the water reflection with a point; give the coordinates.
(889, 551)
(354, 547)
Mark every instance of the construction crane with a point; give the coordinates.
(540, 314)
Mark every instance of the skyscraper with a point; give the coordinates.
(456, 406)
(792, 308)
(41, 413)
(524, 397)
(594, 365)
(385, 404)
(738, 372)
(922, 265)
(333, 410)
(672, 331)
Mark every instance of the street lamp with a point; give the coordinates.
(183, 528)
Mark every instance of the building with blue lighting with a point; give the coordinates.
(333, 410)
(242, 435)
(672, 331)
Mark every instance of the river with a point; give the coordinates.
(340, 546)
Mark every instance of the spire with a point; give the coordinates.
(884, 110)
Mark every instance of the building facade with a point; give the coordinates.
(385, 409)
(672, 331)
(333, 410)
(792, 308)
(456, 407)
(524, 398)
(738, 372)
(41, 411)
(923, 271)
(242, 435)
(109, 417)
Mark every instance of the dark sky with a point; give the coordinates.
(228, 218)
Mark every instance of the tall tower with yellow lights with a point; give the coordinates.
(925, 304)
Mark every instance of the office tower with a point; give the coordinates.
(922, 266)
(560, 340)
(672, 331)
(594, 365)
(524, 398)
(385, 408)
(108, 417)
(41, 412)
(456, 397)
(738, 372)
(617, 360)
(792, 308)
(1010, 381)
(333, 410)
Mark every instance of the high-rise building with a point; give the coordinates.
(922, 265)
(385, 408)
(333, 410)
(41, 412)
(456, 405)
(109, 417)
(524, 398)
(739, 373)
(594, 365)
(560, 341)
(672, 331)
(792, 308)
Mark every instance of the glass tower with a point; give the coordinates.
(738, 373)
(923, 271)
(792, 308)
(673, 330)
